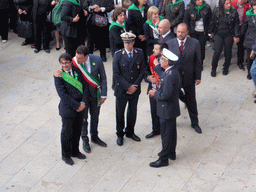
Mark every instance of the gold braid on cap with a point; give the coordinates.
(165, 58)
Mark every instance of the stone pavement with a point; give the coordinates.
(222, 159)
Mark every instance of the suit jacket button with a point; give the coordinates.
(131, 77)
(162, 105)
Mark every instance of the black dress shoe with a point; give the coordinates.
(24, 43)
(197, 128)
(86, 147)
(213, 73)
(172, 157)
(254, 101)
(120, 141)
(225, 72)
(152, 134)
(159, 163)
(249, 77)
(79, 156)
(68, 160)
(241, 66)
(104, 58)
(133, 137)
(98, 141)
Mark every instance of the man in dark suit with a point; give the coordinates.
(97, 82)
(167, 96)
(73, 99)
(164, 30)
(190, 68)
(152, 78)
(93, 72)
(128, 70)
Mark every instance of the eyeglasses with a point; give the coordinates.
(65, 63)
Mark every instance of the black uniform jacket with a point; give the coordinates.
(70, 97)
(127, 73)
(249, 29)
(190, 17)
(233, 19)
(174, 15)
(167, 95)
(68, 12)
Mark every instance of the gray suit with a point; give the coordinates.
(190, 69)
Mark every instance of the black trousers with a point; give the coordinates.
(42, 29)
(131, 115)
(189, 98)
(202, 38)
(4, 16)
(99, 37)
(169, 137)
(154, 117)
(70, 134)
(240, 50)
(94, 121)
(219, 42)
(71, 44)
(249, 60)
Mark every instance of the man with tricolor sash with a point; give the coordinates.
(93, 72)
(73, 91)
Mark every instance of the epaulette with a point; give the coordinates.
(118, 50)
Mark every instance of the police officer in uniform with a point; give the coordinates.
(128, 71)
(167, 96)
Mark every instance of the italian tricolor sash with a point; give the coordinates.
(89, 78)
(72, 81)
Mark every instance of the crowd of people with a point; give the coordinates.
(162, 41)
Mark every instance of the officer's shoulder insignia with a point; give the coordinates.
(135, 50)
(123, 52)
(118, 50)
(170, 73)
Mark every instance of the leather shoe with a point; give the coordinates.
(120, 141)
(133, 137)
(79, 156)
(241, 66)
(213, 73)
(152, 134)
(172, 157)
(249, 77)
(225, 72)
(98, 141)
(68, 160)
(159, 163)
(24, 43)
(86, 147)
(197, 128)
(104, 58)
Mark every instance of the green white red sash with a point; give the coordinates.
(72, 81)
(89, 78)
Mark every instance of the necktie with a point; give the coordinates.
(161, 38)
(130, 56)
(69, 72)
(181, 47)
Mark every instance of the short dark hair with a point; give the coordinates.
(163, 45)
(117, 12)
(253, 2)
(65, 56)
(82, 50)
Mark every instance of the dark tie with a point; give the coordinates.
(181, 47)
(69, 72)
(130, 56)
